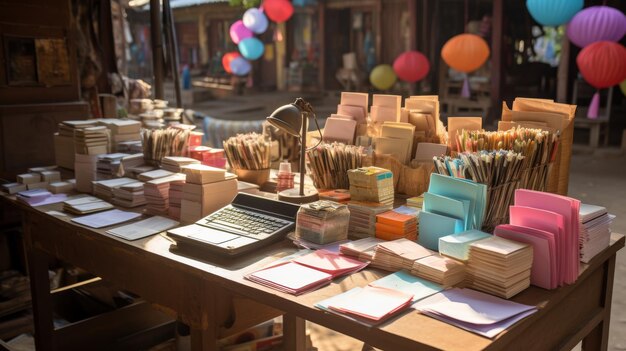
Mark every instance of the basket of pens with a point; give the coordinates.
(249, 157)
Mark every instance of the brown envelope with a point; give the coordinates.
(456, 124)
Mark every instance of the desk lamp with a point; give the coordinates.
(292, 119)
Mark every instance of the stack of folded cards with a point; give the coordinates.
(129, 195)
(153, 174)
(398, 254)
(86, 204)
(363, 249)
(174, 163)
(104, 188)
(157, 193)
(439, 269)
(457, 245)
(91, 140)
(595, 231)
(108, 165)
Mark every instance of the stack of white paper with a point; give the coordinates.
(173, 163)
(129, 195)
(108, 165)
(122, 130)
(363, 249)
(91, 140)
(595, 231)
(457, 245)
(64, 142)
(86, 204)
(104, 188)
(143, 228)
(199, 200)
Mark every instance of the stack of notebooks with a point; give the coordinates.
(129, 195)
(91, 140)
(39, 197)
(595, 231)
(122, 130)
(397, 223)
(154, 174)
(64, 141)
(62, 187)
(174, 163)
(481, 313)
(157, 193)
(362, 249)
(306, 273)
(371, 184)
(363, 217)
(104, 188)
(206, 190)
(451, 205)
(85, 205)
(108, 165)
(439, 269)
(499, 266)
(176, 198)
(398, 254)
(396, 139)
(386, 108)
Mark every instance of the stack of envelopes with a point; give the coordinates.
(363, 217)
(499, 266)
(174, 163)
(154, 174)
(398, 223)
(439, 269)
(398, 254)
(595, 231)
(386, 108)
(371, 184)
(129, 195)
(451, 206)
(64, 141)
(363, 249)
(157, 193)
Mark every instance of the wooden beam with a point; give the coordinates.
(321, 72)
(496, 61)
(412, 4)
(562, 76)
(157, 48)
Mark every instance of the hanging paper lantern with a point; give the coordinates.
(553, 12)
(255, 20)
(382, 77)
(239, 32)
(227, 58)
(596, 23)
(251, 48)
(622, 87)
(465, 52)
(411, 66)
(240, 66)
(278, 10)
(602, 64)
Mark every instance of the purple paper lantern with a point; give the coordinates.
(596, 23)
(239, 32)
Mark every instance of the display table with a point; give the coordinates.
(212, 296)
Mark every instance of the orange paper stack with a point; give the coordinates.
(396, 224)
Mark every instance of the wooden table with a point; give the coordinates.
(212, 296)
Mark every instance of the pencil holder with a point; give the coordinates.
(254, 176)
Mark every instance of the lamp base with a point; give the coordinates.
(293, 196)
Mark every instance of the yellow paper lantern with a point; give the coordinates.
(622, 87)
(383, 77)
(465, 52)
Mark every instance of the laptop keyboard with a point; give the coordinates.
(247, 223)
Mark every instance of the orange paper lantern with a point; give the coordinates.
(465, 52)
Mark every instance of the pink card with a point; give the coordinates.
(355, 99)
(330, 263)
(340, 130)
(358, 112)
(383, 114)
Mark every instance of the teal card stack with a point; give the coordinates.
(457, 245)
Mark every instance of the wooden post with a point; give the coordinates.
(412, 35)
(496, 61)
(379, 29)
(563, 70)
(281, 81)
(203, 39)
(157, 47)
(321, 18)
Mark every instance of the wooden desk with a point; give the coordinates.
(215, 299)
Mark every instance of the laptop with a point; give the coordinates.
(249, 222)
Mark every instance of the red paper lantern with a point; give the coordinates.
(411, 66)
(278, 10)
(603, 65)
(229, 56)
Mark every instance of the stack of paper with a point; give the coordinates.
(64, 142)
(371, 184)
(174, 163)
(108, 165)
(386, 108)
(86, 204)
(499, 266)
(50, 176)
(199, 200)
(130, 147)
(122, 130)
(363, 217)
(13, 188)
(424, 152)
(474, 311)
(39, 197)
(338, 195)
(32, 181)
(451, 206)
(176, 198)
(291, 278)
(555, 214)
(105, 219)
(60, 187)
(322, 222)
(396, 139)
(363, 249)
(104, 188)
(595, 231)
(354, 105)
(144, 228)
(129, 195)
(153, 174)
(423, 113)
(128, 164)
(340, 129)
(405, 282)
(91, 140)
(332, 263)
(416, 202)
(157, 193)
(371, 304)
(439, 269)
(201, 174)
(457, 245)
(397, 223)
(85, 172)
(398, 254)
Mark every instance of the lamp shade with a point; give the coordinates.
(596, 23)
(553, 12)
(287, 118)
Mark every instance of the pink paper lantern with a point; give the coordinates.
(239, 32)
(411, 66)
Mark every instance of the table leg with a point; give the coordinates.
(40, 291)
(594, 136)
(294, 333)
(598, 338)
(203, 339)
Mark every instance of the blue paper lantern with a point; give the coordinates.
(553, 12)
(255, 20)
(251, 48)
(240, 66)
